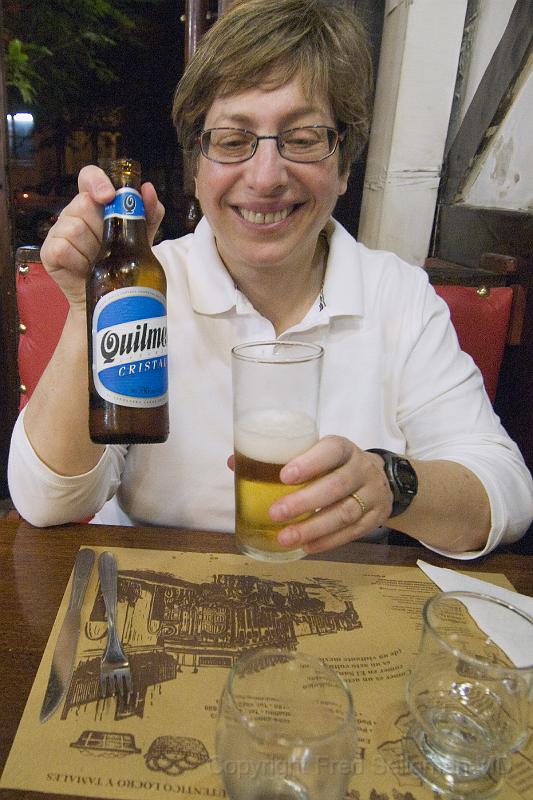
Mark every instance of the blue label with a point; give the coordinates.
(128, 204)
(129, 336)
(130, 309)
(137, 379)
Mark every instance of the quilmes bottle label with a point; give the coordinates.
(127, 204)
(129, 337)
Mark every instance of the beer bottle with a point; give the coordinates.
(127, 323)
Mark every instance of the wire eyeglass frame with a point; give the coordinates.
(333, 138)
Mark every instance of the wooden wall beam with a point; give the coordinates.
(196, 23)
(502, 71)
(8, 335)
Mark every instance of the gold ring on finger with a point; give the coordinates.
(360, 501)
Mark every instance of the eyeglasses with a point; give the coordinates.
(303, 145)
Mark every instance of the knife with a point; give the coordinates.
(67, 641)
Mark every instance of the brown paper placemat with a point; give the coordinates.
(183, 619)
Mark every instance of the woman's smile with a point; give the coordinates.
(265, 217)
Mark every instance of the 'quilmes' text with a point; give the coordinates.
(143, 338)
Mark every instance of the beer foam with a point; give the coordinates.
(274, 435)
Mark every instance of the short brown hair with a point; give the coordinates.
(324, 43)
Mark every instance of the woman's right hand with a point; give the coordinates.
(73, 242)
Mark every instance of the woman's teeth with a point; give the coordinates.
(264, 219)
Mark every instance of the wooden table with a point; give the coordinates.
(36, 565)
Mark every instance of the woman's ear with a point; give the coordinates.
(343, 181)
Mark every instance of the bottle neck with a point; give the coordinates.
(127, 232)
(124, 218)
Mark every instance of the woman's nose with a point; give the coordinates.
(267, 170)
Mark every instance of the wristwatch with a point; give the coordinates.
(401, 477)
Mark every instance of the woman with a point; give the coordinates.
(273, 109)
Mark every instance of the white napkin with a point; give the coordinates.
(518, 648)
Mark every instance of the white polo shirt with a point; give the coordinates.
(393, 377)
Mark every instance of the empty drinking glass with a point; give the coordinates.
(285, 730)
(469, 702)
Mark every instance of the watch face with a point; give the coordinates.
(405, 476)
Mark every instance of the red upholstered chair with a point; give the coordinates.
(481, 317)
(42, 309)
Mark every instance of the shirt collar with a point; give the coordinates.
(343, 284)
(211, 286)
(213, 290)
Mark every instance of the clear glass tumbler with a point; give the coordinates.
(469, 703)
(285, 730)
(275, 418)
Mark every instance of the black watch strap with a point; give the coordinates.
(402, 479)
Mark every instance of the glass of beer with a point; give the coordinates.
(275, 418)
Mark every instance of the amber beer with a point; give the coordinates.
(275, 411)
(264, 442)
(127, 323)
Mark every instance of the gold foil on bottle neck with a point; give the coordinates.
(122, 171)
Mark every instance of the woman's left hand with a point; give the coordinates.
(336, 470)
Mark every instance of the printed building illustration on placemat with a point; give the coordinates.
(168, 625)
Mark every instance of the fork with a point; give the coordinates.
(115, 672)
